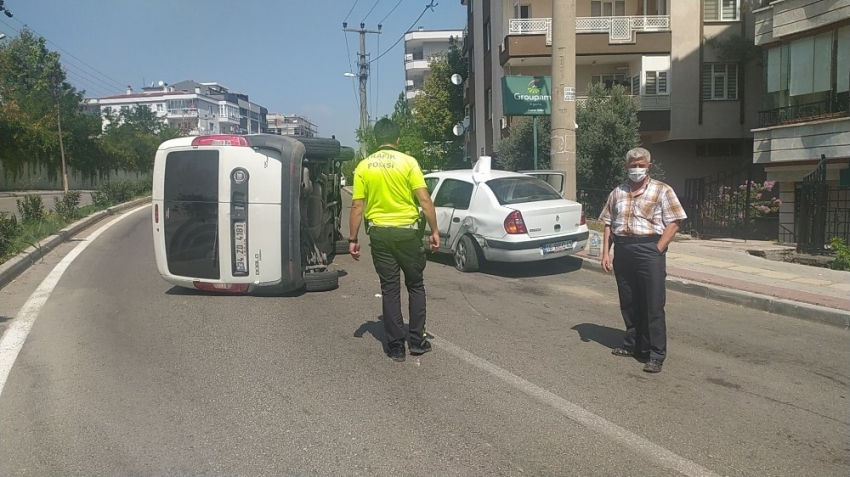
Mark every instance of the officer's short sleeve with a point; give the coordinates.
(359, 191)
(415, 177)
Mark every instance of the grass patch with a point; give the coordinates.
(38, 223)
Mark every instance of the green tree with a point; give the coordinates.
(516, 152)
(607, 129)
(440, 107)
(132, 137)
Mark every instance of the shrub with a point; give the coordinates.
(68, 207)
(31, 208)
(842, 254)
(9, 229)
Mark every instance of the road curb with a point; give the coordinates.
(15, 266)
(779, 306)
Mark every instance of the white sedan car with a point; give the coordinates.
(502, 216)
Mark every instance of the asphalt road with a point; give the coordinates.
(123, 375)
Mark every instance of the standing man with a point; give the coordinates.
(641, 218)
(387, 181)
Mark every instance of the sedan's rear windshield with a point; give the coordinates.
(516, 190)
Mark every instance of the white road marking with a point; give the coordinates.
(15, 336)
(581, 415)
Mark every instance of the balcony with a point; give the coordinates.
(532, 37)
(653, 111)
(643, 103)
(412, 93)
(416, 62)
(803, 113)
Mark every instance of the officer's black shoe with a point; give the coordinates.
(421, 348)
(397, 353)
(653, 366)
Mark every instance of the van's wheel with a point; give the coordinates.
(320, 147)
(466, 255)
(341, 247)
(322, 281)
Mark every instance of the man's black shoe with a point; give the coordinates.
(653, 366)
(421, 348)
(397, 353)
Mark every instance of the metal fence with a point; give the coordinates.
(592, 201)
(823, 212)
(734, 204)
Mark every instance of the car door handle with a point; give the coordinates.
(456, 220)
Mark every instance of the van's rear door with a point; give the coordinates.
(191, 213)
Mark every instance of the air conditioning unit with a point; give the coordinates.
(503, 123)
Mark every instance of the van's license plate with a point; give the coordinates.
(240, 247)
(557, 247)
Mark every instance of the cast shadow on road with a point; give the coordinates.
(180, 291)
(545, 268)
(608, 337)
(374, 328)
(4, 319)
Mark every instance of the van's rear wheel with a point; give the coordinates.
(320, 147)
(322, 281)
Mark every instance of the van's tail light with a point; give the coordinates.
(222, 287)
(156, 213)
(514, 223)
(583, 219)
(220, 140)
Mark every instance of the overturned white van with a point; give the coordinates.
(255, 213)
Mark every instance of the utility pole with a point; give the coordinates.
(363, 75)
(563, 152)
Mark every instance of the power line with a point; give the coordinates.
(348, 56)
(370, 11)
(349, 12)
(391, 11)
(120, 84)
(377, 79)
(427, 7)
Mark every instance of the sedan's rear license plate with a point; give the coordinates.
(557, 247)
(240, 247)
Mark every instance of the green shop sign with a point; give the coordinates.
(527, 95)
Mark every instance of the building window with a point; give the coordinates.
(487, 36)
(656, 83)
(721, 10)
(488, 104)
(522, 11)
(608, 8)
(719, 81)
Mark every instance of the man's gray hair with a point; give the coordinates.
(638, 153)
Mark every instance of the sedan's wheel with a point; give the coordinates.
(466, 255)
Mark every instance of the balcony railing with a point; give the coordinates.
(801, 113)
(619, 29)
(644, 103)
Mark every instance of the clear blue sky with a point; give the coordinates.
(287, 55)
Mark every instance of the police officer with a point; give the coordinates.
(387, 182)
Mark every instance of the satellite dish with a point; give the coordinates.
(161, 83)
(457, 79)
(458, 129)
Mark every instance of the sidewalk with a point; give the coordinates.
(728, 268)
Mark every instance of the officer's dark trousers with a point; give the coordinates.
(641, 272)
(395, 249)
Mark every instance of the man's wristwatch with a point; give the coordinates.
(352, 240)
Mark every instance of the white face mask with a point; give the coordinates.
(637, 174)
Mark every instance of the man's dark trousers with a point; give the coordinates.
(395, 249)
(641, 272)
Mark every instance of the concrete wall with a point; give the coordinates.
(789, 17)
(802, 141)
(38, 179)
(680, 162)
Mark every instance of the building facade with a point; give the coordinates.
(419, 47)
(805, 105)
(696, 110)
(191, 107)
(291, 125)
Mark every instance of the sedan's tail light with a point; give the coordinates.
(583, 219)
(514, 223)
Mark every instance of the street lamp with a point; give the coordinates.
(2, 36)
(349, 74)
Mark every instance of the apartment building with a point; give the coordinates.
(419, 47)
(291, 125)
(805, 108)
(193, 108)
(694, 111)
